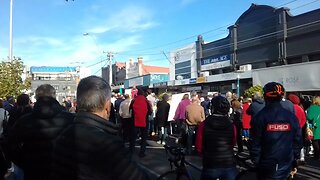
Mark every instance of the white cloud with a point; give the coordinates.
(38, 41)
(78, 49)
(129, 19)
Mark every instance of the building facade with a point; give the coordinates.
(262, 37)
(183, 63)
(118, 73)
(63, 79)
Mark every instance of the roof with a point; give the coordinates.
(154, 69)
(52, 69)
(120, 65)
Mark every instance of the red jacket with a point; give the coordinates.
(140, 108)
(300, 114)
(246, 118)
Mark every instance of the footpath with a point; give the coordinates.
(156, 163)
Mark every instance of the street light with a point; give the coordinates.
(109, 55)
(10, 47)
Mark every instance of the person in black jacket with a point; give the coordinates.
(31, 139)
(90, 148)
(275, 136)
(21, 108)
(215, 140)
(161, 119)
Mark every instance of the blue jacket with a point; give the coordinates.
(275, 137)
(255, 107)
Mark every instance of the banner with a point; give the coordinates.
(215, 62)
(295, 77)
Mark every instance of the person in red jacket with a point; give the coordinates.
(246, 118)
(141, 108)
(301, 116)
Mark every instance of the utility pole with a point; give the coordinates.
(110, 56)
(10, 47)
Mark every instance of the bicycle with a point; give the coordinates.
(177, 158)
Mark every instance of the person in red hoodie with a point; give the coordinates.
(140, 108)
(301, 116)
(246, 118)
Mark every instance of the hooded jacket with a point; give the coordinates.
(31, 139)
(91, 149)
(181, 110)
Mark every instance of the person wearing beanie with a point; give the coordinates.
(299, 112)
(301, 116)
(215, 140)
(275, 136)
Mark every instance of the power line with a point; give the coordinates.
(260, 20)
(193, 36)
(250, 40)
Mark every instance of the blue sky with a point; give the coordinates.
(50, 32)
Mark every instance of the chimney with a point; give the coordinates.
(140, 60)
(140, 66)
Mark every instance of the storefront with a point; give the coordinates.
(295, 78)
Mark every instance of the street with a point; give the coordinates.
(155, 163)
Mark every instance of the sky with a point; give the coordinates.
(80, 32)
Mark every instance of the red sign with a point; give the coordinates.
(278, 127)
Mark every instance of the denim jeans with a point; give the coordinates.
(221, 173)
(18, 173)
(246, 133)
(163, 134)
(281, 172)
(150, 124)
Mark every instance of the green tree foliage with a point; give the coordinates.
(11, 83)
(251, 91)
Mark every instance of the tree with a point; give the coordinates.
(11, 83)
(251, 91)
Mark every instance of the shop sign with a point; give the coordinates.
(295, 77)
(201, 79)
(189, 89)
(160, 84)
(215, 62)
(193, 81)
(136, 82)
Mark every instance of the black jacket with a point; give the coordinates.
(91, 149)
(255, 107)
(275, 137)
(15, 114)
(31, 139)
(218, 136)
(162, 113)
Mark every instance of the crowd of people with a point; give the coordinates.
(99, 130)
